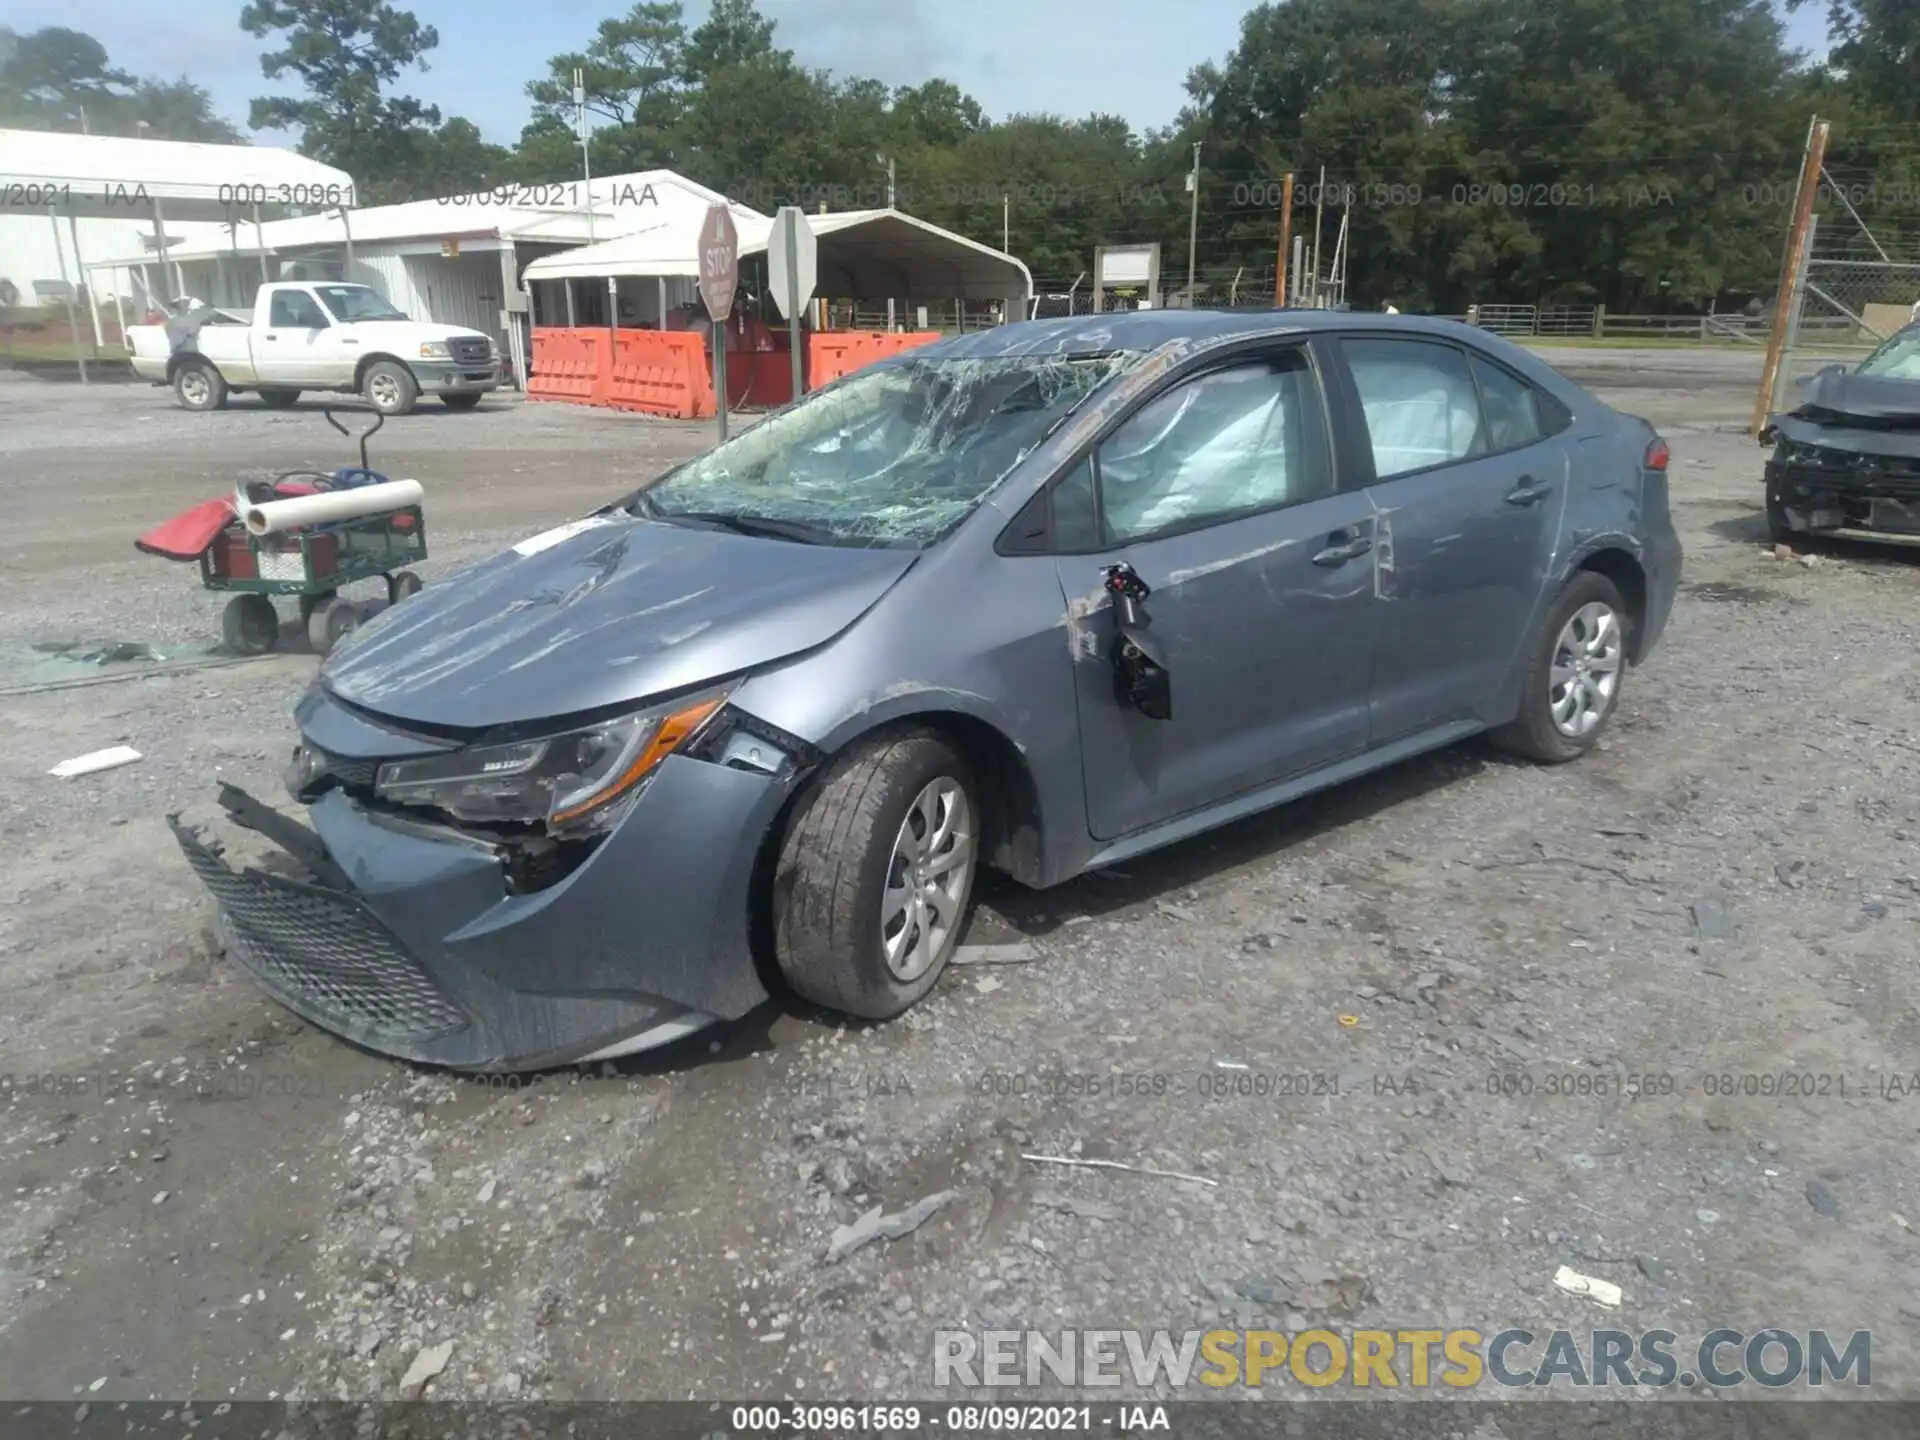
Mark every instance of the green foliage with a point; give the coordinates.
(57, 79)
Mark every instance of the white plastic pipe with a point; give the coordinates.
(277, 515)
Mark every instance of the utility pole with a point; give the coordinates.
(1791, 265)
(1006, 213)
(887, 160)
(585, 131)
(1319, 200)
(1286, 230)
(1193, 219)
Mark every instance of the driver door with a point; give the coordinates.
(1222, 493)
(301, 347)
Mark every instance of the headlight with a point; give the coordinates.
(576, 784)
(435, 350)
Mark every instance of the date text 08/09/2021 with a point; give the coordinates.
(884, 1419)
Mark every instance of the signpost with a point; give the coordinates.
(792, 269)
(719, 277)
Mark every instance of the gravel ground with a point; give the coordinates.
(203, 1196)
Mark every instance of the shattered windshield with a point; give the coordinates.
(895, 455)
(1898, 359)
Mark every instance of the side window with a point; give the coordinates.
(1236, 441)
(1420, 403)
(1516, 413)
(295, 309)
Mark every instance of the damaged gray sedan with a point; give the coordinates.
(1040, 598)
(1846, 462)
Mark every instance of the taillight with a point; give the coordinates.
(1657, 455)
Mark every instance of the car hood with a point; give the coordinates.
(603, 611)
(1843, 395)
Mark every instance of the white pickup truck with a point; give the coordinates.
(315, 336)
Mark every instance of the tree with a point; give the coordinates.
(734, 33)
(345, 52)
(57, 79)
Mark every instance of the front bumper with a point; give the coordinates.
(1879, 498)
(441, 378)
(403, 939)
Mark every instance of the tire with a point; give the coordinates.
(390, 388)
(278, 399)
(461, 401)
(198, 386)
(250, 625)
(831, 881)
(330, 621)
(1534, 733)
(311, 603)
(400, 585)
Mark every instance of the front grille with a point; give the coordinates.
(351, 773)
(1893, 478)
(333, 959)
(470, 351)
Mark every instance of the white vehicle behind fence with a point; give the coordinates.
(315, 336)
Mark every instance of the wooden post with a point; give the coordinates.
(1791, 265)
(1286, 234)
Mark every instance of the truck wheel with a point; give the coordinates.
(278, 399)
(389, 387)
(400, 585)
(875, 875)
(250, 625)
(198, 386)
(461, 401)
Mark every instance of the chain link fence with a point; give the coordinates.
(1859, 283)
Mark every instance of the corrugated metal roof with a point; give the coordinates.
(864, 242)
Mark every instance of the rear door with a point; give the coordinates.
(1221, 491)
(1470, 485)
(300, 346)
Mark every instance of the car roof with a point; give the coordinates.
(1145, 330)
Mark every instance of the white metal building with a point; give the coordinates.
(67, 201)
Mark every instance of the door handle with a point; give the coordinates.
(1340, 554)
(1528, 492)
(269, 337)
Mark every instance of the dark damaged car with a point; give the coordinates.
(1846, 461)
(1040, 598)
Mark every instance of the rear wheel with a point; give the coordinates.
(278, 399)
(389, 387)
(875, 875)
(461, 401)
(198, 386)
(400, 585)
(1575, 663)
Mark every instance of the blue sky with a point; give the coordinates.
(1125, 57)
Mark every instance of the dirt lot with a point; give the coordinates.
(203, 1196)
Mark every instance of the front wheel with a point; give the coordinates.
(198, 386)
(875, 875)
(389, 387)
(1575, 663)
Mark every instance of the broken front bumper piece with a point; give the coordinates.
(1850, 484)
(411, 946)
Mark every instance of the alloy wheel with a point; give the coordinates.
(1586, 670)
(928, 877)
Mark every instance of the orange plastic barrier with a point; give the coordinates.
(567, 364)
(660, 372)
(841, 352)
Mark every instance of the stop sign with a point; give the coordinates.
(719, 262)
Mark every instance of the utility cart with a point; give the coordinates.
(314, 561)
